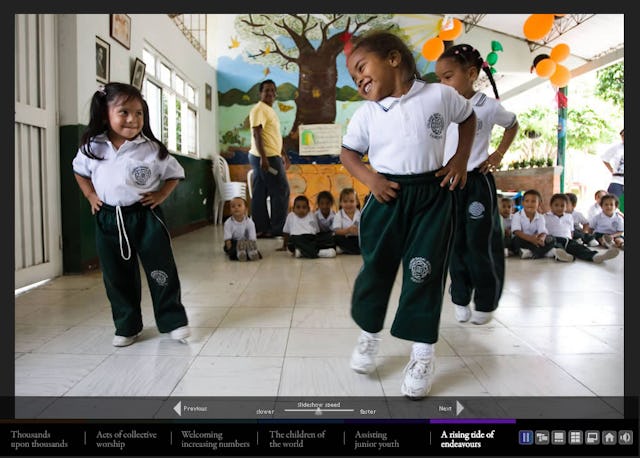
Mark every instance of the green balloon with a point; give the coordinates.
(496, 46)
(493, 70)
(492, 58)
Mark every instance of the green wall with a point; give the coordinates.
(188, 207)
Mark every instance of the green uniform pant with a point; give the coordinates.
(415, 229)
(477, 257)
(147, 238)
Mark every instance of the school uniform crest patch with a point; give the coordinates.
(420, 269)
(141, 175)
(436, 124)
(160, 277)
(476, 210)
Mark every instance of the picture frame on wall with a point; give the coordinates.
(120, 27)
(137, 76)
(207, 96)
(103, 60)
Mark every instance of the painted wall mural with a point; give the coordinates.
(304, 55)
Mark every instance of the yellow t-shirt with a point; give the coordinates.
(264, 115)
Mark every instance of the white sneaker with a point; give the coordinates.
(593, 242)
(363, 357)
(463, 312)
(506, 253)
(604, 255)
(180, 333)
(123, 341)
(298, 253)
(563, 256)
(327, 253)
(607, 241)
(241, 250)
(339, 250)
(252, 250)
(526, 254)
(551, 253)
(418, 375)
(478, 317)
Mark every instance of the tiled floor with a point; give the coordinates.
(281, 327)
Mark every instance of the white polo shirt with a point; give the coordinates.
(520, 222)
(295, 225)
(123, 175)
(325, 224)
(607, 224)
(615, 157)
(239, 230)
(342, 220)
(559, 226)
(405, 135)
(579, 220)
(489, 112)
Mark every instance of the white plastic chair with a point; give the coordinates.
(225, 188)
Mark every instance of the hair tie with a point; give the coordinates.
(101, 89)
(485, 64)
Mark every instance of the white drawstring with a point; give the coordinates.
(122, 230)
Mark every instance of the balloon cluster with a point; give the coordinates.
(449, 30)
(536, 27)
(549, 66)
(492, 57)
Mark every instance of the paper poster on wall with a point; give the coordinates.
(320, 139)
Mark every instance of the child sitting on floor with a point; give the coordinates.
(531, 239)
(240, 233)
(560, 226)
(302, 235)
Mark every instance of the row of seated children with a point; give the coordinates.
(323, 233)
(530, 234)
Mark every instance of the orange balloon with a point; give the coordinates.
(537, 26)
(545, 68)
(559, 52)
(453, 33)
(561, 76)
(432, 48)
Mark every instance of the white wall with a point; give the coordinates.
(76, 36)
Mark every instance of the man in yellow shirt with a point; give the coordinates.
(269, 163)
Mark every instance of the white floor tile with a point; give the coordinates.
(282, 326)
(228, 376)
(325, 376)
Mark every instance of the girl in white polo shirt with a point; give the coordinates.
(477, 257)
(126, 173)
(408, 215)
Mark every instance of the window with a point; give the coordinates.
(194, 27)
(172, 101)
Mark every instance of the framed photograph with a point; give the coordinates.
(103, 60)
(121, 29)
(137, 76)
(207, 96)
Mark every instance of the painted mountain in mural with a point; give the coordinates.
(286, 92)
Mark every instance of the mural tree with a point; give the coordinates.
(312, 43)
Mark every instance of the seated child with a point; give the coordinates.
(506, 213)
(530, 231)
(240, 233)
(345, 223)
(608, 225)
(581, 230)
(325, 212)
(301, 233)
(594, 208)
(560, 226)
